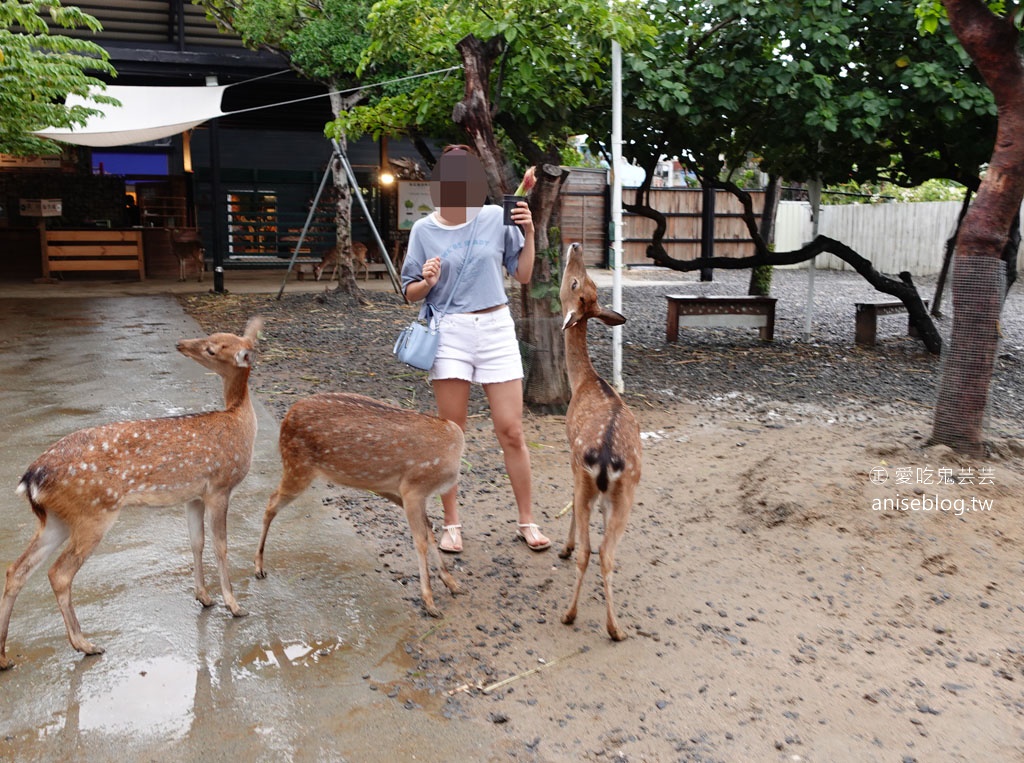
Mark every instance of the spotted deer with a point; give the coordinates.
(604, 438)
(330, 260)
(78, 487)
(352, 440)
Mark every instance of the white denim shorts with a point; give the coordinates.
(478, 347)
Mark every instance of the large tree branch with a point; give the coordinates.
(903, 289)
(473, 112)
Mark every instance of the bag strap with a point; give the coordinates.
(465, 261)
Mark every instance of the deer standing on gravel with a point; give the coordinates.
(403, 455)
(78, 487)
(604, 438)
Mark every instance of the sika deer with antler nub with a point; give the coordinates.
(78, 487)
(402, 455)
(604, 438)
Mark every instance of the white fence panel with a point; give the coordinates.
(894, 237)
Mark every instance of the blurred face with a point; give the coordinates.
(458, 185)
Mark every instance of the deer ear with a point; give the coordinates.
(252, 329)
(611, 318)
(245, 358)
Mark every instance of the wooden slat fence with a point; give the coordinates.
(584, 215)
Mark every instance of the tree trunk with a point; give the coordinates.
(761, 277)
(343, 207)
(947, 257)
(473, 112)
(1010, 251)
(547, 385)
(979, 274)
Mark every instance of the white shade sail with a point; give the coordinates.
(145, 114)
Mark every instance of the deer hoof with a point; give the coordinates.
(89, 650)
(616, 633)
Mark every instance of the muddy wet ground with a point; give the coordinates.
(307, 676)
(773, 614)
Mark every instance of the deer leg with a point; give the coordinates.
(415, 505)
(48, 536)
(84, 539)
(293, 482)
(570, 541)
(195, 512)
(616, 517)
(435, 556)
(581, 517)
(217, 506)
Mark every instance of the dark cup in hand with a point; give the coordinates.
(508, 204)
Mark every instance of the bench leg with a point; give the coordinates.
(866, 328)
(672, 324)
(912, 329)
(768, 330)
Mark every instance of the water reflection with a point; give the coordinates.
(154, 697)
(289, 653)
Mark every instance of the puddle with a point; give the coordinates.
(155, 697)
(290, 653)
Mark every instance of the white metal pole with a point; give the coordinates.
(814, 196)
(616, 232)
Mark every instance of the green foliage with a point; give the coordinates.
(551, 74)
(873, 193)
(38, 70)
(761, 280)
(813, 89)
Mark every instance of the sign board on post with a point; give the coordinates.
(39, 207)
(413, 202)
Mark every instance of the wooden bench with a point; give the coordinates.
(689, 310)
(93, 250)
(867, 313)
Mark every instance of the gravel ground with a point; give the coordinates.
(828, 374)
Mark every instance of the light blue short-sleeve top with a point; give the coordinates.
(481, 285)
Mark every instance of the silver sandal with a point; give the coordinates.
(451, 531)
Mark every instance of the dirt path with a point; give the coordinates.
(773, 613)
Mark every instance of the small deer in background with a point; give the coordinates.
(604, 438)
(187, 245)
(78, 487)
(356, 441)
(330, 260)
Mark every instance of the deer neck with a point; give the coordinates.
(577, 356)
(236, 390)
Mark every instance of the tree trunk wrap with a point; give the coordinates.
(978, 287)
